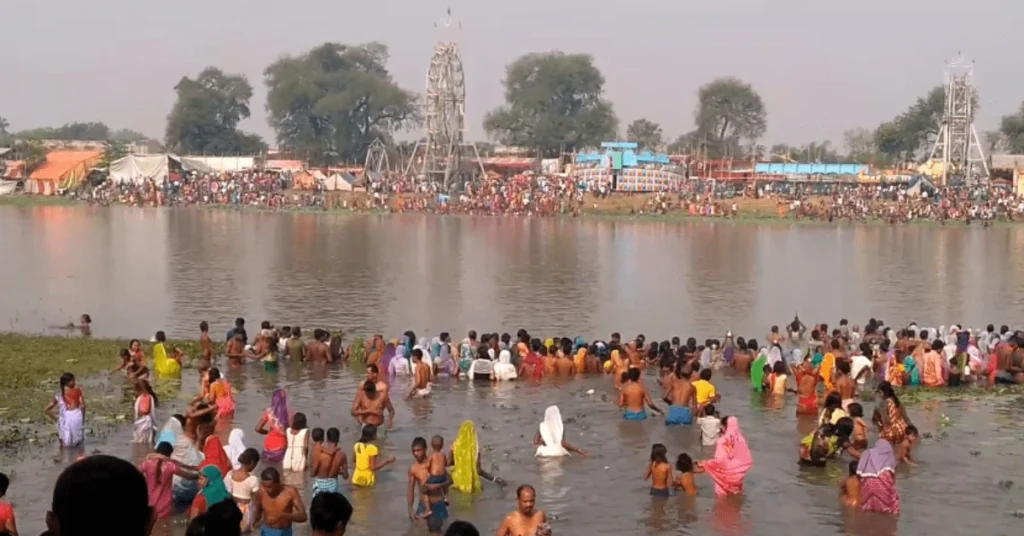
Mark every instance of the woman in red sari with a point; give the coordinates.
(213, 450)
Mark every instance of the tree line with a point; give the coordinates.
(328, 104)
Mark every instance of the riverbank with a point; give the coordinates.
(30, 366)
(617, 207)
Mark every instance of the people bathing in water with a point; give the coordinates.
(849, 490)
(329, 462)
(525, 520)
(634, 398)
(367, 460)
(710, 426)
(684, 480)
(243, 484)
(659, 471)
(67, 409)
(550, 440)
(432, 483)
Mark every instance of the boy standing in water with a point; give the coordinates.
(422, 371)
(437, 465)
(634, 397)
(710, 426)
(277, 505)
(328, 463)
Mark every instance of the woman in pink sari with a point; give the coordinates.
(731, 462)
(877, 472)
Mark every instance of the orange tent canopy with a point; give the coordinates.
(68, 167)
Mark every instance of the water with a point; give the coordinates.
(139, 270)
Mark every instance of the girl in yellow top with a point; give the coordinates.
(366, 459)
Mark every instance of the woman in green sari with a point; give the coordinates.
(757, 370)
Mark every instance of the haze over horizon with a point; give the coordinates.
(820, 69)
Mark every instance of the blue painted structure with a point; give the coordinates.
(620, 154)
(765, 168)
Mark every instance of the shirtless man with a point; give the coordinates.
(741, 359)
(277, 505)
(369, 408)
(328, 463)
(550, 360)
(207, 355)
(317, 349)
(422, 374)
(844, 383)
(525, 520)
(634, 397)
(294, 348)
(682, 398)
(419, 475)
(235, 350)
(566, 366)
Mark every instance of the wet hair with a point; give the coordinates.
(213, 374)
(659, 453)
(855, 410)
(684, 464)
(419, 443)
(938, 345)
(333, 435)
(92, 485)
(506, 338)
(843, 429)
(328, 511)
(369, 433)
(249, 457)
(752, 344)
(624, 377)
(887, 392)
(221, 519)
(437, 442)
(876, 418)
(853, 467)
(5, 483)
(634, 374)
(835, 342)
(843, 366)
(204, 327)
(66, 379)
(461, 528)
(299, 421)
(778, 368)
(297, 332)
(372, 368)
(86, 318)
(524, 487)
(844, 322)
(417, 354)
(317, 434)
(271, 474)
(705, 374)
(265, 324)
(148, 389)
(543, 351)
(160, 337)
(239, 322)
(125, 354)
(709, 410)
(369, 387)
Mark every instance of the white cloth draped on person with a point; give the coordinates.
(504, 369)
(235, 447)
(551, 432)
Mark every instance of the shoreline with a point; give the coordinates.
(744, 217)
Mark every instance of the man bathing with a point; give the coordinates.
(277, 505)
(525, 521)
(328, 463)
(422, 371)
(634, 397)
(432, 486)
(682, 397)
(369, 406)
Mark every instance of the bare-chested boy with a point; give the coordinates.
(682, 397)
(235, 350)
(207, 354)
(422, 373)
(317, 350)
(845, 385)
(370, 406)
(525, 520)
(634, 397)
(328, 463)
(548, 356)
(277, 505)
(432, 507)
(565, 366)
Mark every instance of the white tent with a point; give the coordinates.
(138, 168)
(222, 163)
(337, 183)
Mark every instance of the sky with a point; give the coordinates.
(820, 67)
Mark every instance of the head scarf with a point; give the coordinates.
(214, 491)
(279, 407)
(731, 462)
(505, 357)
(424, 344)
(548, 343)
(466, 451)
(235, 447)
(170, 432)
(705, 358)
(551, 432)
(877, 460)
(580, 343)
(774, 355)
(435, 347)
(757, 370)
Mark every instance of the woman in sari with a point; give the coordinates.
(213, 450)
(387, 356)
(399, 365)
(465, 457)
(166, 367)
(145, 404)
(184, 453)
(135, 349)
(70, 404)
(504, 370)
(732, 460)
(877, 472)
(757, 370)
(235, 447)
(220, 394)
(465, 356)
(213, 491)
(894, 369)
(893, 415)
(550, 439)
(273, 424)
(827, 371)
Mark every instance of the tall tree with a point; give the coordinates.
(555, 102)
(4, 126)
(88, 131)
(728, 112)
(205, 117)
(329, 104)
(646, 134)
(1012, 129)
(909, 136)
(859, 144)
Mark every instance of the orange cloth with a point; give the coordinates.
(826, 370)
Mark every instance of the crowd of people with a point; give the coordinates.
(229, 485)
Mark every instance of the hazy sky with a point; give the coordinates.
(820, 69)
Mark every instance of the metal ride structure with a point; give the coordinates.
(446, 155)
(377, 158)
(957, 146)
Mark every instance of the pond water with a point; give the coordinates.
(139, 270)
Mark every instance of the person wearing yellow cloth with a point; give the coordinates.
(705, 392)
(465, 457)
(826, 371)
(164, 365)
(366, 453)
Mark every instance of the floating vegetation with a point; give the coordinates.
(917, 395)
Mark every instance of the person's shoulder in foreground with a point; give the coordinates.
(461, 528)
(91, 485)
(329, 514)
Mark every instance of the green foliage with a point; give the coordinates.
(728, 112)
(816, 152)
(113, 151)
(554, 102)
(909, 136)
(32, 152)
(1012, 130)
(357, 351)
(329, 104)
(646, 134)
(91, 131)
(205, 117)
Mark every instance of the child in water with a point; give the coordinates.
(659, 471)
(686, 468)
(437, 465)
(904, 448)
(710, 426)
(860, 428)
(317, 436)
(849, 491)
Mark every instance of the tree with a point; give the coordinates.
(112, 152)
(89, 131)
(4, 126)
(728, 112)
(910, 135)
(332, 102)
(1012, 129)
(859, 144)
(205, 117)
(555, 102)
(646, 134)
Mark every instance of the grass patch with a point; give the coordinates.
(30, 366)
(22, 200)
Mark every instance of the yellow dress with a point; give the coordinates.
(164, 365)
(466, 451)
(363, 475)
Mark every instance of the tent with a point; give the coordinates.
(138, 168)
(339, 182)
(220, 163)
(62, 170)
